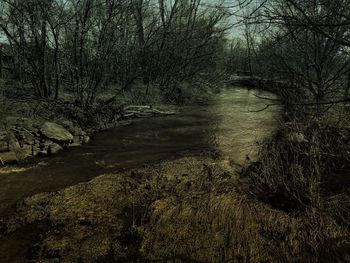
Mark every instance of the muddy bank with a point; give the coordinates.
(25, 138)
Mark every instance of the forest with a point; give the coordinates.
(174, 130)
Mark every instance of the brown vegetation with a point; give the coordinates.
(189, 210)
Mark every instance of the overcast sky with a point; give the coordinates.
(228, 3)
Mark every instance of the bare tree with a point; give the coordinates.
(81, 46)
(306, 44)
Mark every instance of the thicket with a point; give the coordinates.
(85, 46)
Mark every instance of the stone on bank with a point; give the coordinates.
(56, 132)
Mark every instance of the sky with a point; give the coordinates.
(234, 32)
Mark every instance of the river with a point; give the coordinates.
(228, 124)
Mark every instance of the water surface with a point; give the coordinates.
(227, 124)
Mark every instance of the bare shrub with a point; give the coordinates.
(304, 168)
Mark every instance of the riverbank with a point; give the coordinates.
(191, 210)
(59, 125)
(24, 138)
(32, 127)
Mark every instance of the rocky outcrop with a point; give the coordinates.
(8, 157)
(26, 137)
(54, 148)
(10, 149)
(13, 144)
(56, 132)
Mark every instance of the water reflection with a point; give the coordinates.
(240, 126)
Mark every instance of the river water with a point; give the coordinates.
(227, 124)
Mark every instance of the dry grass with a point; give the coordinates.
(299, 163)
(232, 228)
(194, 210)
(228, 225)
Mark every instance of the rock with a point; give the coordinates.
(8, 157)
(35, 149)
(76, 140)
(13, 142)
(15, 148)
(66, 123)
(80, 139)
(71, 127)
(3, 135)
(44, 145)
(42, 153)
(31, 141)
(54, 148)
(86, 138)
(56, 132)
(4, 146)
(26, 151)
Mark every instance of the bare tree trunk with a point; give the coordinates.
(249, 48)
(56, 64)
(138, 6)
(162, 12)
(77, 64)
(347, 89)
(44, 83)
(1, 63)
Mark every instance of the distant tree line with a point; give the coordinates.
(84, 45)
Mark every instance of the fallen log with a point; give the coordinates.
(138, 107)
(163, 112)
(127, 115)
(144, 111)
